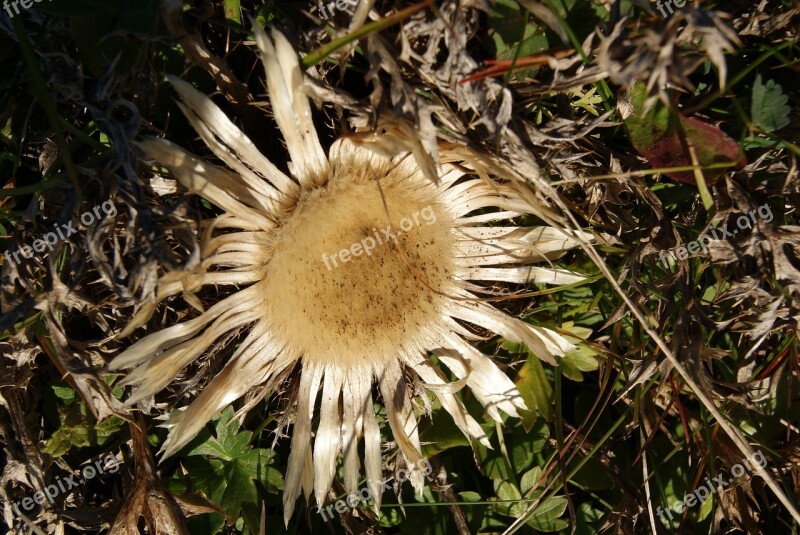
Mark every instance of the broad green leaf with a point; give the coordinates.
(663, 136)
(233, 10)
(649, 121)
(534, 387)
(78, 429)
(470, 496)
(496, 467)
(705, 508)
(586, 517)
(227, 445)
(506, 490)
(522, 452)
(582, 359)
(546, 517)
(65, 438)
(440, 434)
(226, 467)
(530, 478)
(64, 393)
(769, 106)
(515, 35)
(239, 493)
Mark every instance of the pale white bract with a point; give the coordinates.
(374, 320)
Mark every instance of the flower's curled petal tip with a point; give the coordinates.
(136, 397)
(130, 403)
(128, 380)
(285, 81)
(300, 467)
(127, 360)
(186, 90)
(555, 345)
(114, 365)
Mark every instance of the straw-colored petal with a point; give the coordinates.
(373, 460)
(300, 467)
(156, 373)
(520, 275)
(145, 348)
(401, 417)
(233, 147)
(205, 179)
(451, 403)
(490, 385)
(481, 246)
(326, 444)
(509, 328)
(249, 366)
(355, 394)
(291, 108)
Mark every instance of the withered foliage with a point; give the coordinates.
(61, 310)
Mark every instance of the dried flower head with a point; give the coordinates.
(354, 270)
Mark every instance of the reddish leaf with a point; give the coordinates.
(663, 136)
(711, 146)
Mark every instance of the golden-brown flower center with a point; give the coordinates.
(345, 284)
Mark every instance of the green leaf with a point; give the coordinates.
(78, 428)
(233, 11)
(65, 438)
(239, 491)
(769, 106)
(496, 467)
(533, 386)
(581, 359)
(649, 121)
(522, 452)
(230, 475)
(470, 496)
(272, 479)
(440, 434)
(506, 490)
(530, 478)
(514, 35)
(586, 516)
(663, 136)
(546, 517)
(65, 393)
(228, 445)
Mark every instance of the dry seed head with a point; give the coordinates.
(355, 321)
(366, 304)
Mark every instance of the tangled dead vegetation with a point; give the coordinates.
(629, 132)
